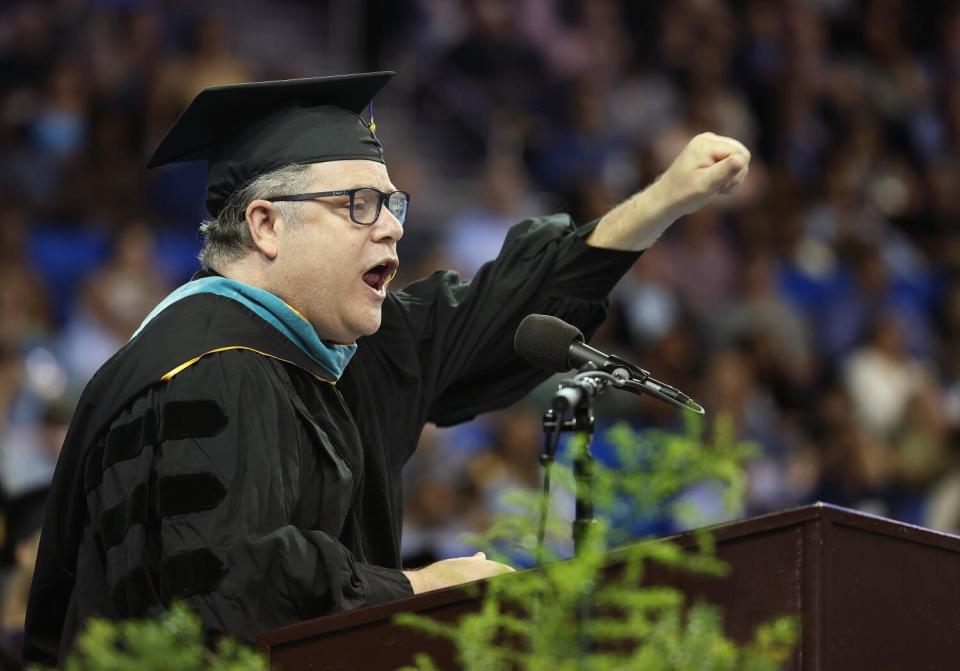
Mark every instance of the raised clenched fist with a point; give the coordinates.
(710, 165)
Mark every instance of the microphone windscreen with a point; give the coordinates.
(545, 341)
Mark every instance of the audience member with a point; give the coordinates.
(820, 311)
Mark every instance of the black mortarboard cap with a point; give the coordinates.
(246, 130)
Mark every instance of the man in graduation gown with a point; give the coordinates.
(243, 451)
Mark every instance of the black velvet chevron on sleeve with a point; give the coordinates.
(188, 493)
(188, 573)
(203, 418)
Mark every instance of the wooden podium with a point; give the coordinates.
(872, 594)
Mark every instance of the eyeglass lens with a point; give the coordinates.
(366, 206)
(367, 203)
(397, 203)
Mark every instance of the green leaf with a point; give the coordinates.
(576, 615)
(172, 640)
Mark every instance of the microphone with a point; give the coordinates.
(552, 344)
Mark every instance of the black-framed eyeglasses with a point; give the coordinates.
(365, 202)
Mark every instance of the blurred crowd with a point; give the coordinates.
(818, 308)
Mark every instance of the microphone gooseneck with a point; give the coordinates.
(552, 344)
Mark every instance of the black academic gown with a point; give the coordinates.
(241, 482)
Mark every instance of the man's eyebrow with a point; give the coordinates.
(390, 187)
(371, 185)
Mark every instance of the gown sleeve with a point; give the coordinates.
(236, 507)
(460, 332)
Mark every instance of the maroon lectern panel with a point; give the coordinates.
(872, 594)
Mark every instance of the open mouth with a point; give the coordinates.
(380, 275)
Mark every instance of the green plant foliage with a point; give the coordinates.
(172, 641)
(575, 614)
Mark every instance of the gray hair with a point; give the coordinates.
(226, 237)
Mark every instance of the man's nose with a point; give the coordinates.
(386, 228)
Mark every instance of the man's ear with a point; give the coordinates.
(262, 222)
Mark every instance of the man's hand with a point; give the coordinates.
(709, 166)
(450, 572)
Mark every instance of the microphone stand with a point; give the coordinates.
(584, 424)
(576, 395)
